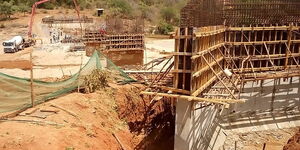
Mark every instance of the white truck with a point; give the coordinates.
(13, 45)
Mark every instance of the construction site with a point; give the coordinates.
(228, 78)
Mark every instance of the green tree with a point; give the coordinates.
(24, 8)
(148, 2)
(168, 14)
(121, 7)
(6, 9)
(145, 11)
(164, 28)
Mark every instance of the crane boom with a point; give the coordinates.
(32, 15)
(44, 1)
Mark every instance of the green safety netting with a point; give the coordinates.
(15, 93)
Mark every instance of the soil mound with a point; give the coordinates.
(293, 143)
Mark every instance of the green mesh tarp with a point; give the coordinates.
(15, 93)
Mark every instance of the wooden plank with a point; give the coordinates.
(268, 52)
(184, 58)
(264, 76)
(176, 60)
(177, 53)
(181, 71)
(119, 141)
(288, 46)
(259, 42)
(209, 33)
(293, 55)
(215, 94)
(64, 109)
(266, 68)
(199, 72)
(218, 77)
(272, 28)
(31, 79)
(173, 89)
(193, 98)
(207, 84)
(261, 57)
(203, 52)
(223, 71)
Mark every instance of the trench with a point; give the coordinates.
(153, 119)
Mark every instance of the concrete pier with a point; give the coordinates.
(271, 104)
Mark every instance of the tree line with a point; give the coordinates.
(163, 13)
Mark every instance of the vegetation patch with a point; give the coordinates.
(97, 80)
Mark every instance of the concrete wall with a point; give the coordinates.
(194, 129)
(206, 128)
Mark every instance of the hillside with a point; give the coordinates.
(162, 13)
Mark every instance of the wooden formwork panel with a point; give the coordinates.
(122, 58)
(257, 49)
(126, 58)
(123, 50)
(202, 54)
(182, 62)
(197, 50)
(127, 41)
(207, 55)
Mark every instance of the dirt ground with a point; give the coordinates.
(77, 120)
(54, 60)
(88, 121)
(293, 143)
(273, 139)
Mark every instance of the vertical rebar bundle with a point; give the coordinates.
(199, 13)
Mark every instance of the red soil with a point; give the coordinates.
(14, 60)
(293, 143)
(118, 110)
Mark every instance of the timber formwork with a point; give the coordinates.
(124, 50)
(94, 37)
(125, 42)
(193, 50)
(257, 50)
(230, 42)
(114, 42)
(251, 53)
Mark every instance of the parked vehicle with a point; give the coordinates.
(14, 45)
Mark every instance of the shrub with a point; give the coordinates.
(2, 26)
(44, 11)
(97, 80)
(6, 9)
(145, 11)
(168, 14)
(121, 7)
(24, 9)
(164, 28)
(48, 5)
